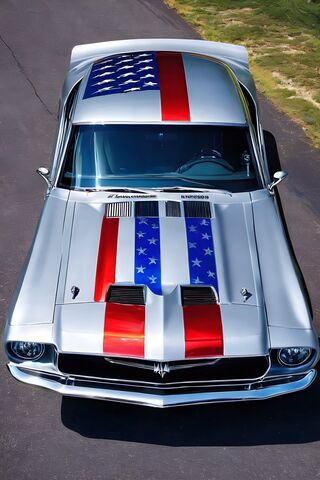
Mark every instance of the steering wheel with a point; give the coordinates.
(206, 156)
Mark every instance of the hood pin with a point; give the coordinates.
(246, 295)
(75, 291)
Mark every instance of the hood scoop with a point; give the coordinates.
(118, 209)
(147, 209)
(126, 295)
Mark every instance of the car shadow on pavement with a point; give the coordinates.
(284, 420)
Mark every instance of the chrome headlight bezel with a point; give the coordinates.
(303, 361)
(14, 346)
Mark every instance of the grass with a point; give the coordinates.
(283, 39)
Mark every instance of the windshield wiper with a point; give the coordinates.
(120, 190)
(192, 189)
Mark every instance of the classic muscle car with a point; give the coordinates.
(161, 272)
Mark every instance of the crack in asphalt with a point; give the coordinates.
(24, 73)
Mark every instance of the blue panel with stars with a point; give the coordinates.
(147, 265)
(202, 263)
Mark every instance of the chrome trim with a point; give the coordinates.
(258, 391)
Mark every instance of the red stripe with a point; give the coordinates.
(203, 331)
(124, 330)
(173, 87)
(106, 263)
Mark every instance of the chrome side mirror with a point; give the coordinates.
(277, 178)
(44, 173)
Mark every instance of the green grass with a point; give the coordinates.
(283, 39)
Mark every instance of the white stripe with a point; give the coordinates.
(84, 249)
(174, 254)
(125, 251)
(211, 92)
(164, 327)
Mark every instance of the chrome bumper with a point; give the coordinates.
(78, 387)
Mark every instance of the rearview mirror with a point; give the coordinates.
(277, 178)
(44, 173)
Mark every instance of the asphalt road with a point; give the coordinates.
(46, 436)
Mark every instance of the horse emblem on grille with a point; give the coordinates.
(161, 368)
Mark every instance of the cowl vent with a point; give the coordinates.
(173, 209)
(146, 209)
(126, 295)
(197, 296)
(197, 209)
(119, 209)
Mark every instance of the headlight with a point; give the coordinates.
(27, 350)
(293, 356)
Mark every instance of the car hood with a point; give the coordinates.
(203, 247)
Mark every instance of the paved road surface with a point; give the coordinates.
(46, 437)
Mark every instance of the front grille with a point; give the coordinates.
(128, 295)
(197, 296)
(223, 370)
(197, 209)
(146, 209)
(119, 209)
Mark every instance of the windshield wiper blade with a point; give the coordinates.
(120, 190)
(192, 189)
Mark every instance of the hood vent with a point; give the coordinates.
(197, 209)
(119, 209)
(197, 296)
(173, 209)
(146, 209)
(126, 295)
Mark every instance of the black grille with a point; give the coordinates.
(173, 209)
(126, 295)
(197, 209)
(119, 209)
(147, 209)
(223, 370)
(197, 296)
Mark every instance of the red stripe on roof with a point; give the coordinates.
(106, 263)
(124, 327)
(173, 87)
(203, 331)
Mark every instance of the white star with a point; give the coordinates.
(205, 236)
(149, 75)
(123, 61)
(153, 260)
(141, 251)
(104, 74)
(196, 262)
(105, 89)
(125, 67)
(211, 274)
(128, 81)
(204, 222)
(143, 55)
(128, 74)
(152, 241)
(148, 60)
(197, 280)
(154, 226)
(143, 221)
(140, 234)
(192, 245)
(140, 269)
(152, 279)
(143, 69)
(133, 89)
(192, 228)
(104, 81)
(149, 84)
(207, 251)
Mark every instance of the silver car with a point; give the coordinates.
(161, 272)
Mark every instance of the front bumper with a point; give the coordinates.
(77, 386)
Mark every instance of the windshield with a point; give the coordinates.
(149, 156)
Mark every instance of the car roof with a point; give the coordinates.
(159, 86)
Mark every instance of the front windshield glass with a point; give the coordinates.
(149, 156)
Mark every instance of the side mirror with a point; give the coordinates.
(277, 178)
(44, 173)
